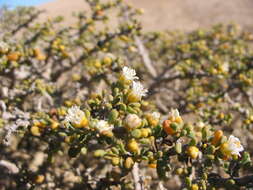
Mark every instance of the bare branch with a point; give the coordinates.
(145, 56)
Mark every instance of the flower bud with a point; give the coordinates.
(210, 156)
(231, 182)
(178, 147)
(84, 151)
(132, 121)
(136, 133)
(99, 153)
(211, 149)
(188, 181)
(113, 115)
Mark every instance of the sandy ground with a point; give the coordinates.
(172, 14)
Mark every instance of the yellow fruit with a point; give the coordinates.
(221, 116)
(54, 125)
(107, 60)
(39, 179)
(152, 165)
(145, 132)
(76, 77)
(193, 152)
(217, 136)
(97, 64)
(179, 171)
(39, 55)
(13, 56)
(115, 161)
(224, 149)
(35, 131)
(194, 187)
(68, 103)
(133, 146)
(61, 47)
(128, 164)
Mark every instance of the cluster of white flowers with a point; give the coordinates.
(129, 74)
(156, 115)
(137, 87)
(75, 115)
(103, 126)
(132, 121)
(234, 145)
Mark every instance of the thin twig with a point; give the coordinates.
(136, 177)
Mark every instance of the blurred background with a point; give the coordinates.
(184, 15)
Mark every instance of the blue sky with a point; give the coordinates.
(14, 3)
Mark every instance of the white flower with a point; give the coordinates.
(138, 89)
(234, 145)
(3, 46)
(225, 67)
(200, 124)
(75, 115)
(174, 116)
(174, 113)
(21, 122)
(129, 73)
(156, 115)
(22, 72)
(103, 126)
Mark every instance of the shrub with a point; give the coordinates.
(98, 106)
